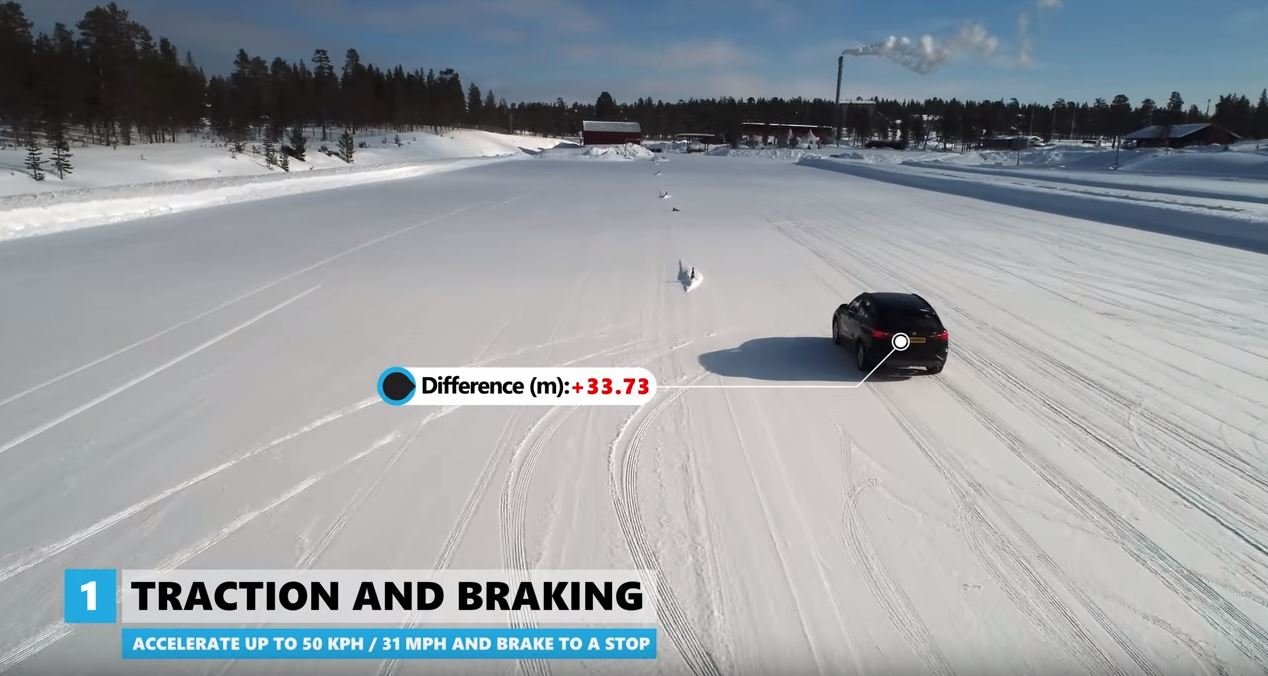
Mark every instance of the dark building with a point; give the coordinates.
(1004, 143)
(602, 132)
(1181, 135)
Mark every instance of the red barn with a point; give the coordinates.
(601, 132)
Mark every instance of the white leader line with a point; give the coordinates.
(27, 436)
(851, 386)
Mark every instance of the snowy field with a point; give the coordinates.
(1082, 490)
(110, 185)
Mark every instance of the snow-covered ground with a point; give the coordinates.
(111, 185)
(626, 151)
(1082, 490)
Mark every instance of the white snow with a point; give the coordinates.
(1082, 490)
(626, 151)
(112, 185)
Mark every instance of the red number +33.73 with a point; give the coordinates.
(606, 386)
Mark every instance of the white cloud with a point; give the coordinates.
(1025, 56)
(1050, 4)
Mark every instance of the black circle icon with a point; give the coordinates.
(396, 386)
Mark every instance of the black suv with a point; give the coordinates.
(870, 323)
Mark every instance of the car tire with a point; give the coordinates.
(935, 370)
(836, 332)
(860, 357)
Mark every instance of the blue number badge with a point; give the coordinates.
(89, 596)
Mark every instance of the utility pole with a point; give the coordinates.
(836, 111)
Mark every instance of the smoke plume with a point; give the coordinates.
(927, 54)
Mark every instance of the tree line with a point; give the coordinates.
(114, 83)
(912, 120)
(112, 80)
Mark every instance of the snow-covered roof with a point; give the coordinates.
(605, 125)
(781, 124)
(1177, 131)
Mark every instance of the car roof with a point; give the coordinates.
(900, 301)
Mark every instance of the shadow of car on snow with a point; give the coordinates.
(790, 359)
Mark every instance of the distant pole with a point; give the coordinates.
(836, 111)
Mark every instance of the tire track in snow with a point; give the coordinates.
(898, 607)
(1244, 633)
(483, 480)
(764, 504)
(56, 631)
(1209, 604)
(623, 469)
(1007, 561)
(46, 552)
(1237, 467)
(513, 503)
(49, 551)
(232, 301)
(110, 394)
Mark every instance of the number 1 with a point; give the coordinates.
(90, 588)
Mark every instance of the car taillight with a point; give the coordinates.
(942, 335)
(879, 334)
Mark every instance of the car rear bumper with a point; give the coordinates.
(917, 357)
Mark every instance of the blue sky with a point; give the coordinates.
(540, 49)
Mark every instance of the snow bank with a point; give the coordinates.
(1230, 220)
(110, 185)
(628, 151)
(49, 212)
(792, 154)
(1241, 161)
(100, 166)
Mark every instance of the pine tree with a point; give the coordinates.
(298, 142)
(61, 150)
(1261, 115)
(284, 161)
(346, 146)
(270, 152)
(1175, 108)
(34, 159)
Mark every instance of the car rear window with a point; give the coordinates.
(909, 319)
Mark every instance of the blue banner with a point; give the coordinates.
(262, 643)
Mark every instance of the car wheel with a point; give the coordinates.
(935, 370)
(860, 357)
(836, 332)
